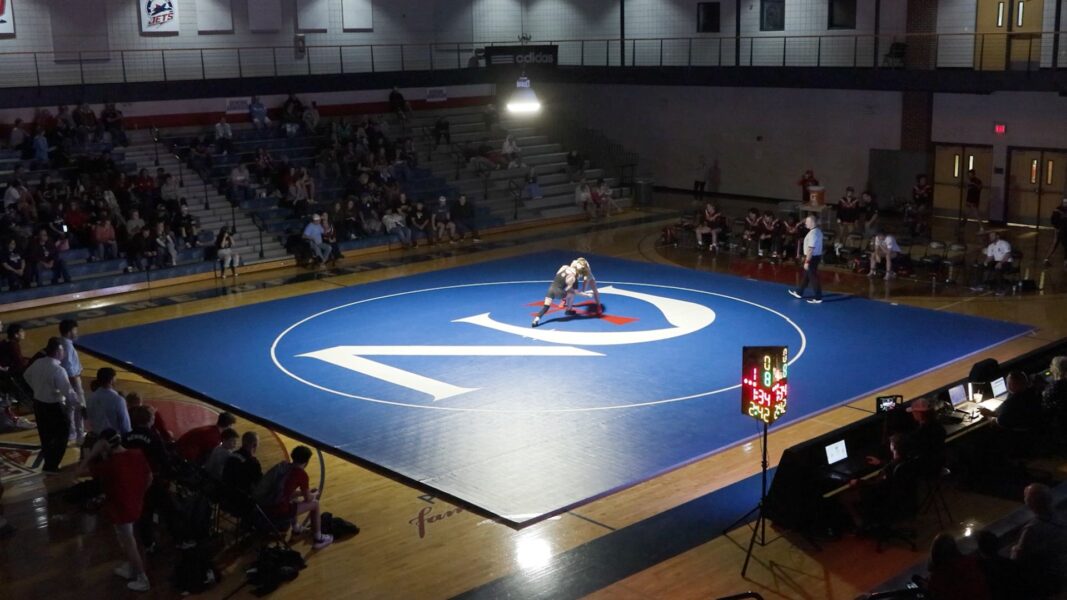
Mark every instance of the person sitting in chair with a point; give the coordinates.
(884, 249)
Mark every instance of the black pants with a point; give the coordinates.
(698, 189)
(53, 428)
(811, 275)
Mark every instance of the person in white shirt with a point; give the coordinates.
(884, 248)
(511, 149)
(812, 258)
(311, 117)
(997, 259)
(223, 135)
(52, 394)
(105, 408)
(72, 364)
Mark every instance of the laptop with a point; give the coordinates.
(839, 461)
(999, 389)
(958, 395)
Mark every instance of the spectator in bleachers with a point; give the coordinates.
(241, 184)
(77, 221)
(41, 150)
(64, 121)
(420, 225)
(297, 197)
(369, 221)
(341, 131)
(292, 114)
(257, 113)
(490, 117)
(87, 124)
(46, 260)
(441, 221)
(144, 186)
(328, 162)
(225, 251)
(313, 235)
(464, 218)
(15, 191)
(220, 455)
(1041, 551)
(103, 238)
(169, 191)
(297, 498)
(395, 226)
(196, 444)
(134, 224)
(114, 125)
(330, 237)
(954, 576)
(18, 139)
(512, 151)
(223, 136)
(769, 235)
(751, 228)
(583, 197)
(604, 196)
(125, 477)
(311, 118)
(105, 408)
(398, 105)
(576, 165)
(442, 131)
(264, 166)
(13, 266)
(348, 219)
(186, 227)
(166, 248)
(141, 251)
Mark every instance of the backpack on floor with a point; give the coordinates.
(194, 572)
(274, 566)
(338, 527)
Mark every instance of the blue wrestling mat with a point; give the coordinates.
(439, 379)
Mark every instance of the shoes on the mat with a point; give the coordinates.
(795, 294)
(536, 321)
(322, 541)
(814, 301)
(140, 584)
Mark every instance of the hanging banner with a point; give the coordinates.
(7, 19)
(158, 17)
(543, 55)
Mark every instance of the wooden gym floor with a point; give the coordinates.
(412, 546)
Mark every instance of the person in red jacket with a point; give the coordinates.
(124, 475)
(954, 576)
(196, 444)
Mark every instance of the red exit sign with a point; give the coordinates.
(1000, 128)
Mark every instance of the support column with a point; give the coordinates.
(622, 33)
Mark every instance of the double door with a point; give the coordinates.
(951, 165)
(1008, 34)
(1036, 181)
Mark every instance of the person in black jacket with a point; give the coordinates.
(241, 474)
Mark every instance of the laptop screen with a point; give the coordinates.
(836, 452)
(957, 394)
(999, 387)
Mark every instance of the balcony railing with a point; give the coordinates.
(1000, 51)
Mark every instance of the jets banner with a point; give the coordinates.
(502, 56)
(159, 17)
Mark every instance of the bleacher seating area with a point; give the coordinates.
(399, 156)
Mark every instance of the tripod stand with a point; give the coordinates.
(759, 528)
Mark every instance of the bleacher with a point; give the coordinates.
(496, 195)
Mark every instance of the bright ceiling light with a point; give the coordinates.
(523, 100)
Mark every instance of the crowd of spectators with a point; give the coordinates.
(79, 195)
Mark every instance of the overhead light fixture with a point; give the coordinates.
(523, 100)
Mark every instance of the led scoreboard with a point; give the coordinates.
(764, 388)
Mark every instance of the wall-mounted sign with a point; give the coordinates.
(159, 17)
(501, 56)
(7, 19)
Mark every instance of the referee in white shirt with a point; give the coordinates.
(52, 394)
(812, 258)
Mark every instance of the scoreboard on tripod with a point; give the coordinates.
(764, 382)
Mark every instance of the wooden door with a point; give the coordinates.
(1025, 38)
(1024, 186)
(991, 29)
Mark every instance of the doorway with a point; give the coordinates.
(1008, 34)
(1036, 179)
(951, 164)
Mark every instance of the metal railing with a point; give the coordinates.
(1017, 51)
(595, 147)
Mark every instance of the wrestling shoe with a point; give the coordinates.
(795, 294)
(570, 312)
(814, 301)
(536, 321)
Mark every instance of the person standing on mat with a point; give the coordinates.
(565, 284)
(812, 258)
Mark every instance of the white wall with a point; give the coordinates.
(829, 131)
